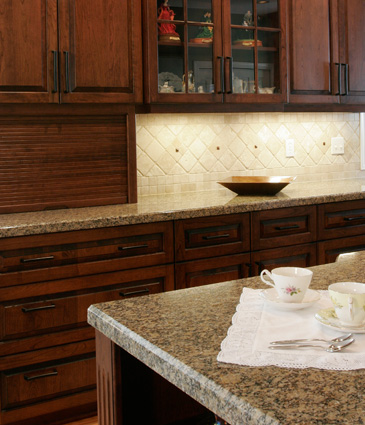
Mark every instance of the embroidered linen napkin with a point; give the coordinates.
(256, 323)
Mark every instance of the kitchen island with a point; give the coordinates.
(178, 336)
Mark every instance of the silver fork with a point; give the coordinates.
(332, 348)
(299, 341)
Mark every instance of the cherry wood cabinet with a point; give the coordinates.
(47, 283)
(215, 51)
(63, 51)
(325, 38)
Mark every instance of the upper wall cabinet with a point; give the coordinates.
(62, 51)
(204, 51)
(327, 51)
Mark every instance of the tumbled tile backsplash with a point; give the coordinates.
(190, 152)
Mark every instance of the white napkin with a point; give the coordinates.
(255, 324)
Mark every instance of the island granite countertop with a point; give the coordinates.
(165, 207)
(178, 335)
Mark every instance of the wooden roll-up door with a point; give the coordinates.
(62, 162)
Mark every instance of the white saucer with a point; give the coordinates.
(328, 318)
(272, 298)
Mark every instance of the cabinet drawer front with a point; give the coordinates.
(328, 251)
(215, 270)
(293, 256)
(341, 219)
(39, 384)
(56, 313)
(283, 227)
(211, 236)
(70, 254)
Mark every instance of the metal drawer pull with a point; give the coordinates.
(123, 248)
(293, 226)
(44, 307)
(55, 70)
(225, 235)
(360, 217)
(44, 375)
(127, 294)
(32, 260)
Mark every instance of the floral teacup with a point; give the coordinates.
(291, 283)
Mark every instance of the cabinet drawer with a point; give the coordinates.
(70, 254)
(68, 310)
(328, 251)
(35, 384)
(341, 219)
(211, 236)
(214, 270)
(293, 256)
(283, 227)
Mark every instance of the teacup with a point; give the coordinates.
(291, 283)
(348, 299)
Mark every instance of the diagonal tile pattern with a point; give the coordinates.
(182, 152)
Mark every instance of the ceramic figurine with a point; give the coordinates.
(167, 31)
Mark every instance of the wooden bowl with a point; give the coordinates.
(256, 185)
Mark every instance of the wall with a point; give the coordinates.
(189, 152)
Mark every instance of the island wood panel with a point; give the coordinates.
(64, 162)
(328, 251)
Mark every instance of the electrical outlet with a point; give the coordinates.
(289, 147)
(337, 145)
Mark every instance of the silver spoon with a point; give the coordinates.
(294, 341)
(332, 348)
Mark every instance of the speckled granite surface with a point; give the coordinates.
(178, 335)
(178, 206)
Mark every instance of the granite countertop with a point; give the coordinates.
(178, 334)
(166, 207)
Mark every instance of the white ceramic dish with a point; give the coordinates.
(272, 298)
(328, 318)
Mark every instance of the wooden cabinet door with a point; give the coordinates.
(352, 49)
(28, 51)
(100, 51)
(313, 36)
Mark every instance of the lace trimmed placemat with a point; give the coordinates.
(255, 324)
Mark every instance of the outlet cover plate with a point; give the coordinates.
(289, 148)
(337, 145)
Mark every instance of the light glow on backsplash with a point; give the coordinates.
(191, 152)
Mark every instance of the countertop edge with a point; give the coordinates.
(179, 374)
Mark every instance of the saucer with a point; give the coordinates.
(272, 298)
(328, 318)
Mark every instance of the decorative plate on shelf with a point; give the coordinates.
(256, 185)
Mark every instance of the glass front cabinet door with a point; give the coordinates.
(204, 51)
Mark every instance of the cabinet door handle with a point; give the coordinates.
(128, 294)
(33, 260)
(346, 65)
(339, 79)
(230, 59)
(209, 237)
(67, 72)
(221, 58)
(43, 307)
(360, 217)
(293, 226)
(55, 71)
(124, 248)
(43, 375)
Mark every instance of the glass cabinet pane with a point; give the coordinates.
(267, 13)
(268, 63)
(185, 46)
